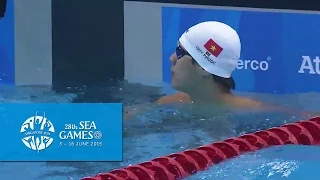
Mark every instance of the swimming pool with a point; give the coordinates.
(162, 131)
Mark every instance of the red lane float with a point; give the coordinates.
(188, 162)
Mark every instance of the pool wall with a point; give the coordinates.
(25, 43)
(45, 42)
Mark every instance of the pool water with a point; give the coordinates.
(164, 130)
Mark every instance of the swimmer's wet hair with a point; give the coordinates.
(226, 84)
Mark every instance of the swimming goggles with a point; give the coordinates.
(180, 52)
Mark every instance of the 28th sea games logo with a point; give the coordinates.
(37, 131)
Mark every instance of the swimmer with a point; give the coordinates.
(205, 57)
(202, 65)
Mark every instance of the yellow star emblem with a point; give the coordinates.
(213, 48)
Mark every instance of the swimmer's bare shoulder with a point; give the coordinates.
(235, 101)
(243, 103)
(179, 97)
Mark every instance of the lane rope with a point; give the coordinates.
(180, 165)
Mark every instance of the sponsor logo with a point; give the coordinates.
(254, 64)
(309, 65)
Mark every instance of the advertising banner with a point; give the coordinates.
(61, 132)
(279, 49)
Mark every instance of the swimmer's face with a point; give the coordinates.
(184, 74)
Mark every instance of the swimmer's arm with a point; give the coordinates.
(290, 111)
(259, 107)
(308, 114)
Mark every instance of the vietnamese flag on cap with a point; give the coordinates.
(213, 48)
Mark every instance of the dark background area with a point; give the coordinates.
(87, 41)
(87, 48)
(3, 5)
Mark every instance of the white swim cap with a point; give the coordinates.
(214, 45)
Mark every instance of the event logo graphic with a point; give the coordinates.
(254, 64)
(37, 131)
(310, 66)
(84, 133)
